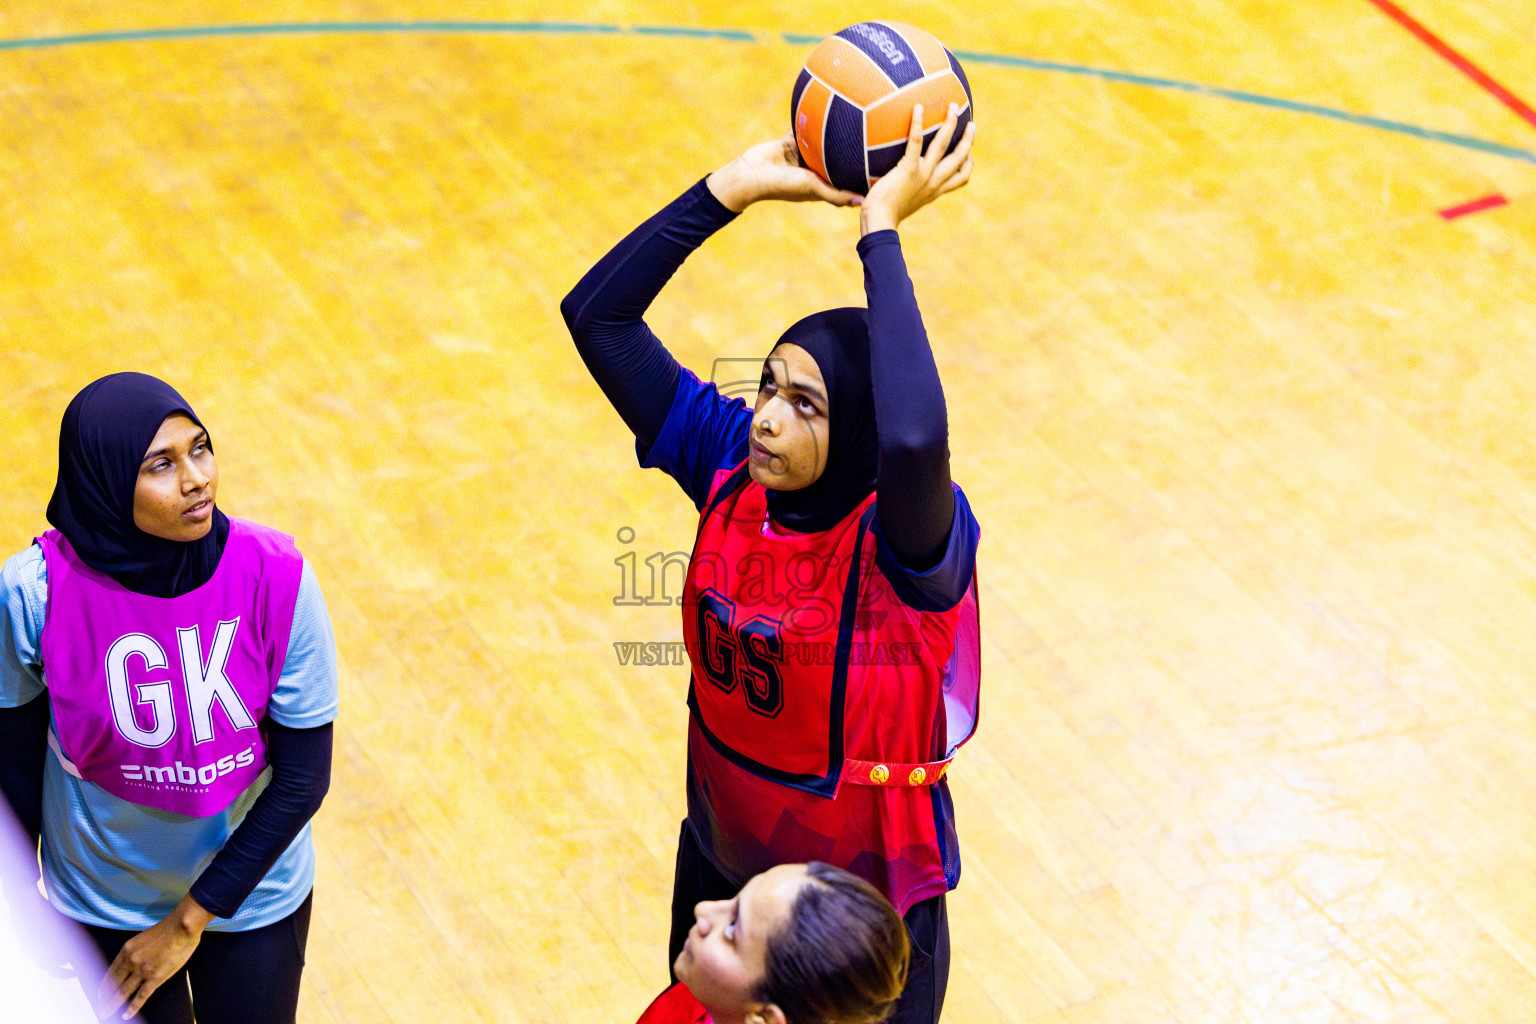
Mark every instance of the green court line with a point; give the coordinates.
(794, 38)
(695, 33)
(315, 28)
(1465, 141)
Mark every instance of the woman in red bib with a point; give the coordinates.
(830, 604)
(800, 944)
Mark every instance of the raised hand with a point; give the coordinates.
(919, 178)
(772, 170)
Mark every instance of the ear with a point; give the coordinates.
(766, 1013)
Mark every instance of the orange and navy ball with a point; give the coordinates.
(852, 104)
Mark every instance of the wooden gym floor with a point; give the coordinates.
(1244, 403)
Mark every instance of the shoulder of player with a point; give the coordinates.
(25, 573)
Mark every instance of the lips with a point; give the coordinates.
(200, 511)
(759, 453)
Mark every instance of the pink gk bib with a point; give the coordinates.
(159, 700)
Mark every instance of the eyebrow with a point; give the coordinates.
(202, 435)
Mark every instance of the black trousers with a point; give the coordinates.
(249, 977)
(697, 879)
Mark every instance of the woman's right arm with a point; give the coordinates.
(23, 745)
(23, 704)
(605, 310)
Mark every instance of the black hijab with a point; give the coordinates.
(838, 339)
(106, 432)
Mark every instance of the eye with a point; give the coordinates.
(730, 929)
(806, 406)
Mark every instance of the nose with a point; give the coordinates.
(704, 914)
(193, 478)
(767, 421)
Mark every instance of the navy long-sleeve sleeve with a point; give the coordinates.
(605, 310)
(23, 745)
(301, 776)
(913, 495)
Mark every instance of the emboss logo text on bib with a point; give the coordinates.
(185, 775)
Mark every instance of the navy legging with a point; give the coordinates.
(696, 879)
(249, 977)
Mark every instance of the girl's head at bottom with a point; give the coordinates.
(800, 944)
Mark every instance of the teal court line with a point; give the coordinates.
(581, 28)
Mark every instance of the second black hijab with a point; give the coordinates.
(838, 339)
(107, 430)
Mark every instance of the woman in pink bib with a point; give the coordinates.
(167, 687)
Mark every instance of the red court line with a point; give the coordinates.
(1475, 206)
(1459, 62)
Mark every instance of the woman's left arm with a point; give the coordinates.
(301, 774)
(298, 734)
(914, 499)
(300, 759)
(914, 496)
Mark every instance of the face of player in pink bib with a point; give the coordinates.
(178, 480)
(725, 958)
(790, 422)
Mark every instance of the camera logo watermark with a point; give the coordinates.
(742, 376)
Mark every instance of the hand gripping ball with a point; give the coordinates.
(852, 103)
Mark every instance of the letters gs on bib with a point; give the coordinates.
(204, 684)
(744, 654)
(750, 653)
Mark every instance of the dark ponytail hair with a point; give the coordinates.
(841, 957)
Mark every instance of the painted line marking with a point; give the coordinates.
(731, 35)
(1239, 96)
(1475, 206)
(312, 28)
(1457, 61)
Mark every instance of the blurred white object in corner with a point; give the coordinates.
(42, 953)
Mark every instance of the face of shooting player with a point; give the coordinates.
(790, 422)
